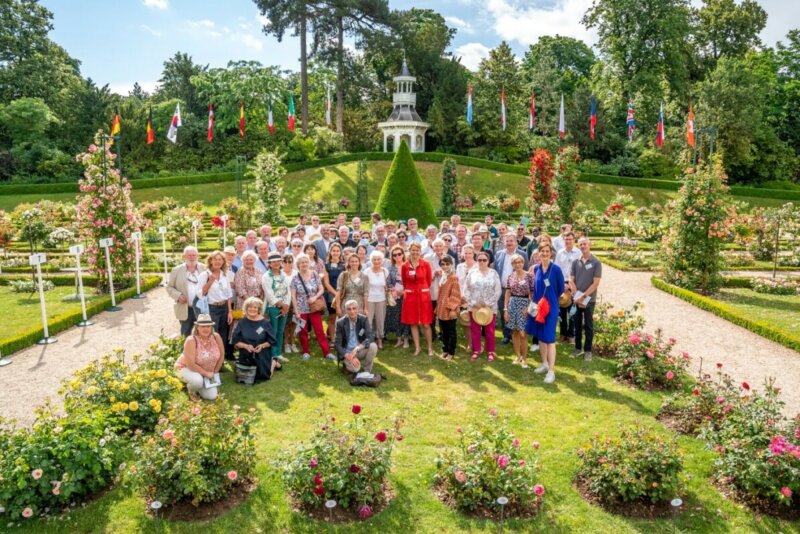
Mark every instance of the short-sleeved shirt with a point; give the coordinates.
(303, 293)
(586, 272)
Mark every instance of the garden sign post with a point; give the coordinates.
(163, 231)
(77, 250)
(194, 230)
(224, 231)
(137, 238)
(36, 260)
(106, 244)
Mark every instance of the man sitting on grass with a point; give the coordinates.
(354, 340)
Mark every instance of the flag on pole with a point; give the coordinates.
(532, 113)
(503, 108)
(270, 122)
(660, 128)
(690, 127)
(115, 128)
(328, 107)
(562, 125)
(630, 121)
(172, 133)
(210, 135)
(291, 113)
(592, 118)
(241, 119)
(469, 105)
(151, 134)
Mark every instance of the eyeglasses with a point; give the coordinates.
(396, 254)
(401, 236)
(483, 260)
(448, 240)
(296, 246)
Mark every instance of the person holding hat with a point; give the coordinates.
(255, 338)
(483, 291)
(230, 257)
(203, 354)
(548, 285)
(447, 306)
(277, 300)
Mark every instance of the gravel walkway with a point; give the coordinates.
(37, 372)
(745, 356)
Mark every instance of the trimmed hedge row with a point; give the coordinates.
(58, 280)
(729, 314)
(622, 266)
(64, 321)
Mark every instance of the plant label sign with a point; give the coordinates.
(76, 249)
(136, 236)
(37, 259)
(162, 230)
(224, 218)
(107, 242)
(195, 224)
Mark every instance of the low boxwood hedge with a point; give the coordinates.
(64, 321)
(721, 309)
(57, 279)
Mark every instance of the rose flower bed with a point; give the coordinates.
(647, 362)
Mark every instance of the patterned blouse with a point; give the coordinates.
(276, 289)
(312, 285)
(246, 284)
(519, 288)
(483, 288)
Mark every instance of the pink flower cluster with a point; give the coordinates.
(779, 446)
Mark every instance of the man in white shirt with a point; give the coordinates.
(314, 227)
(266, 235)
(413, 232)
(183, 287)
(356, 232)
(262, 263)
(564, 259)
(430, 237)
(252, 239)
(558, 242)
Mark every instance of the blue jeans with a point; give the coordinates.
(278, 322)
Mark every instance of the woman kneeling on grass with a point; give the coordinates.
(202, 358)
(254, 338)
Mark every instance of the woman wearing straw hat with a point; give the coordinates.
(203, 354)
(548, 285)
(483, 291)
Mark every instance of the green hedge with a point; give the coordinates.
(737, 281)
(58, 280)
(729, 314)
(64, 321)
(622, 266)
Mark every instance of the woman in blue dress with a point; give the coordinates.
(548, 282)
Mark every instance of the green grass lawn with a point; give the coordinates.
(436, 397)
(781, 311)
(332, 183)
(26, 311)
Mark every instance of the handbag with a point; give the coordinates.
(201, 305)
(318, 306)
(390, 300)
(533, 308)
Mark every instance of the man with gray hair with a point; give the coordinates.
(354, 340)
(252, 238)
(183, 286)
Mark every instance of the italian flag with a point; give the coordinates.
(210, 134)
(270, 122)
(291, 113)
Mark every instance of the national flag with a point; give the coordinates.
(469, 104)
(328, 107)
(562, 124)
(270, 122)
(532, 113)
(172, 133)
(660, 128)
(241, 119)
(151, 134)
(503, 108)
(291, 113)
(592, 118)
(630, 121)
(210, 135)
(690, 127)
(115, 128)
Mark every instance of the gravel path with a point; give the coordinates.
(37, 372)
(745, 356)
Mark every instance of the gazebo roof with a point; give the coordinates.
(404, 113)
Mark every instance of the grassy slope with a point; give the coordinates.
(437, 397)
(782, 311)
(334, 182)
(26, 308)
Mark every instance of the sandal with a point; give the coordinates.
(492, 356)
(474, 356)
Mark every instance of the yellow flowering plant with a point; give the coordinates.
(612, 326)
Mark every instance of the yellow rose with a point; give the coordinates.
(154, 386)
(92, 390)
(125, 387)
(133, 406)
(112, 398)
(161, 373)
(107, 375)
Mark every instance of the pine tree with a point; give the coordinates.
(362, 193)
(449, 188)
(403, 196)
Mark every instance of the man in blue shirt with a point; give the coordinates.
(354, 339)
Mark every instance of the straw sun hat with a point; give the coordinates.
(482, 316)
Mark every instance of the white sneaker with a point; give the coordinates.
(550, 378)
(533, 348)
(283, 358)
(542, 369)
(306, 356)
(295, 349)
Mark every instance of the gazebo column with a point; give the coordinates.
(384, 140)
(413, 141)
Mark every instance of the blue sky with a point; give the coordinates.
(126, 41)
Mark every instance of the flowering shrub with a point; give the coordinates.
(29, 286)
(566, 177)
(58, 237)
(466, 201)
(197, 453)
(239, 213)
(776, 286)
(612, 327)
(647, 361)
(488, 462)
(625, 242)
(705, 406)
(344, 203)
(163, 354)
(639, 465)
(133, 398)
(739, 259)
(347, 462)
(6, 229)
(541, 175)
(57, 462)
(633, 258)
(179, 227)
(503, 201)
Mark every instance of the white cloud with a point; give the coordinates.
(205, 23)
(472, 54)
(123, 88)
(249, 40)
(525, 24)
(263, 20)
(460, 24)
(203, 28)
(151, 31)
(156, 4)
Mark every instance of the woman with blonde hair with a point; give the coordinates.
(246, 284)
(417, 305)
(393, 324)
(254, 338)
(201, 360)
(377, 288)
(215, 285)
(547, 286)
(351, 284)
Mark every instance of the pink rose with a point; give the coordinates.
(535, 445)
(522, 463)
(168, 434)
(502, 460)
(670, 375)
(37, 474)
(27, 512)
(538, 489)
(635, 339)
(786, 492)
(650, 354)
(515, 443)
(461, 476)
(232, 475)
(493, 412)
(313, 463)
(365, 512)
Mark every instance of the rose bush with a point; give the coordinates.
(776, 286)
(647, 361)
(613, 326)
(488, 462)
(705, 405)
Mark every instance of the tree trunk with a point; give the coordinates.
(340, 78)
(303, 76)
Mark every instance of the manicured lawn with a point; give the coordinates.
(436, 397)
(781, 311)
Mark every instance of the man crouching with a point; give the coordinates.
(354, 340)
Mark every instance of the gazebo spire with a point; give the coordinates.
(404, 122)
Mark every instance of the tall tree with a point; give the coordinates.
(725, 28)
(176, 81)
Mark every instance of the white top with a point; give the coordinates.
(262, 265)
(219, 291)
(483, 289)
(377, 285)
(565, 259)
(461, 273)
(192, 284)
(433, 260)
(276, 288)
(507, 269)
(558, 243)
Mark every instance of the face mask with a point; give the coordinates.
(363, 242)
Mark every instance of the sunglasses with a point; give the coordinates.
(287, 261)
(396, 254)
(401, 237)
(483, 260)
(296, 246)
(448, 240)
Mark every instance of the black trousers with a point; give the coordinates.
(188, 324)
(433, 323)
(449, 340)
(584, 320)
(219, 314)
(501, 316)
(567, 322)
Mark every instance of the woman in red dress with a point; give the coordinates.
(417, 307)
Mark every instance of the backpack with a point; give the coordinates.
(368, 382)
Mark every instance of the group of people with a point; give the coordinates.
(355, 287)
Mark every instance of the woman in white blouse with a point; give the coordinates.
(483, 291)
(462, 270)
(377, 276)
(215, 284)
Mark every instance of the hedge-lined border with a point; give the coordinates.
(61, 280)
(64, 321)
(433, 157)
(729, 314)
(624, 266)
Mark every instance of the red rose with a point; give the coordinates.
(381, 436)
(317, 480)
(746, 386)
(695, 391)
(719, 365)
(365, 512)
(319, 491)
(356, 409)
(399, 437)
(354, 468)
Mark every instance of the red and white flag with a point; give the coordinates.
(690, 127)
(503, 108)
(532, 113)
(172, 133)
(270, 122)
(562, 125)
(210, 135)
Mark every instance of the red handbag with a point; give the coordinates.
(543, 311)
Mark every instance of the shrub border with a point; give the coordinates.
(729, 314)
(64, 321)
(59, 280)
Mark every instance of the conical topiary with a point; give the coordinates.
(403, 195)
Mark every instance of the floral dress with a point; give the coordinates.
(518, 302)
(393, 324)
(246, 284)
(353, 287)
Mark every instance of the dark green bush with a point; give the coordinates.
(403, 196)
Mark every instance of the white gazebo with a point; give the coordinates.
(404, 122)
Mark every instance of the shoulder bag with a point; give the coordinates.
(318, 306)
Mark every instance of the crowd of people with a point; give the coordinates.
(357, 289)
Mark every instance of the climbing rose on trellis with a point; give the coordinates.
(541, 180)
(106, 211)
